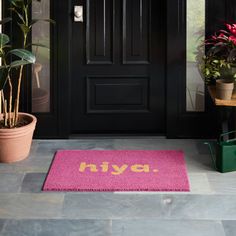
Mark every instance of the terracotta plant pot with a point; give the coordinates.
(15, 143)
(224, 89)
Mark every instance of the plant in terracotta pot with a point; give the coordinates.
(16, 129)
(219, 62)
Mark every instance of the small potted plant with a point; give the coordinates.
(16, 129)
(219, 62)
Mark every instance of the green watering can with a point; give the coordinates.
(224, 159)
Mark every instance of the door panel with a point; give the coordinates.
(117, 65)
(117, 95)
(136, 31)
(99, 31)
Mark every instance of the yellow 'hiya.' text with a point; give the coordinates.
(115, 169)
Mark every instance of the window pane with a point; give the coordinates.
(195, 88)
(41, 69)
(0, 30)
(0, 15)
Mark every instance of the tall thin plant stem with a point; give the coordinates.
(5, 113)
(10, 102)
(16, 111)
(3, 106)
(0, 101)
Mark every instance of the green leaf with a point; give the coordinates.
(3, 77)
(17, 3)
(7, 46)
(38, 45)
(2, 67)
(19, 15)
(25, 29)
(18, 63)
(24, 55)
(4, 39)
(5, 20)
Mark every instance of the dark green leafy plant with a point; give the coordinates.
(22, 57)
(220, 58)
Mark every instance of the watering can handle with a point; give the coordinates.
(224, 134)
(212, 155)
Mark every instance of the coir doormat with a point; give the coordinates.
(126, 170)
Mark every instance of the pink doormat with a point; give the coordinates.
(79, 170)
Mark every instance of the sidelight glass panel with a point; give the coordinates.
(41, 69)
(0, 15)
(195, 95)
(0, 32)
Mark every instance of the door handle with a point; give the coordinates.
(78, 13)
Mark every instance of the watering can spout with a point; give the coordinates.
(213, 157)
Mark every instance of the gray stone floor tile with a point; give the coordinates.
(199, 184)
(202, 148)
(167, 228)
(189, 146)
(10, 182)
(57, 228)
(205, 207)
(36, 164)
(223, 183)
(99, 206)
(33, 182)
(199, 163)
(161, 206)
(31, 206)
(2, 222)
(48, 148)
(140, 144)
(229, 227)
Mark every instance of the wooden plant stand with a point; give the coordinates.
(219, 102)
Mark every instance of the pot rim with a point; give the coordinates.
(225, 81)
(20, 130)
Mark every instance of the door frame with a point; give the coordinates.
(175, 19)
(179, 123)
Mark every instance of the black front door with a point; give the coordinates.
(118, 67)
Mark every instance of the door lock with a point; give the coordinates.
(78, 13)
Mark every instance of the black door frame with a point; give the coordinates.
(179, 123)
(175, 19)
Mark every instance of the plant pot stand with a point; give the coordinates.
(226, 111)
(220, 102)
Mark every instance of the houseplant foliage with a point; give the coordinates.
(20, 8)
(13, 61)
(220, 58)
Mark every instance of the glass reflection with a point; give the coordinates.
(195, 89)
(41, 69)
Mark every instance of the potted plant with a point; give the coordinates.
(219, 62)
(16, 129)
